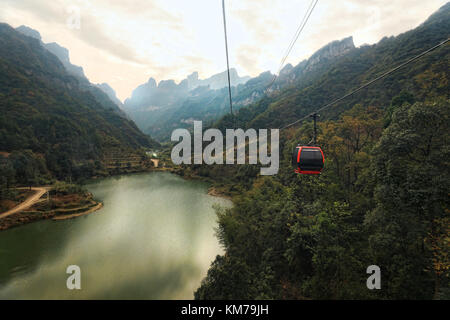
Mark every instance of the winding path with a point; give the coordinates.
(40, 191)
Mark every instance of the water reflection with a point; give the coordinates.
(154, 239)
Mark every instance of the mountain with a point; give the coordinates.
(167, 92)
(106, 88)
(158, 112)
(335, 69)
(157, 108)
(153, 95)
(46, 109)
(59, 51)
(217, 81)
(339, 67)
(63, 55)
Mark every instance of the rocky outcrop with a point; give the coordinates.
(332, 50)
(167, 92)
(151, 94)
(286, 69)
(220, 80)
(193, 80)
(63, 55)
(59, 51)
(29, 32)
(108, 101)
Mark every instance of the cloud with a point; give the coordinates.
(198, 63)
(94, 35)
(254, 15)
(150, 10)
(39, 9)
(91, 32)
(248, 59)
(370, 21)
(146, 8)
(126, 42)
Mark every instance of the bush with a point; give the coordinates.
(67, 188)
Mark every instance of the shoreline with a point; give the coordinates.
(76, 215)
(38, 212)
(31, 214)
(212, 191)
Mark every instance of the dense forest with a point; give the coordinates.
(382, 198)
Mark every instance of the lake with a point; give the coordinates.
(153, 239)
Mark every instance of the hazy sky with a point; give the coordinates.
(124, 42)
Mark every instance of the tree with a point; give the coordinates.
(412, 172)
(7, 176)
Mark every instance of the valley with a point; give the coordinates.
(99, 180)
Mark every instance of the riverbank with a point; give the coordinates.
(60, 207)
(55, 206)
(215, 192)
(76, 215)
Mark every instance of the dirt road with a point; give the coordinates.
(40, 191)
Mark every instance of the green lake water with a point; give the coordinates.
(153, 239)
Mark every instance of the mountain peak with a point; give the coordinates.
(29, 32)
(440, 15)
(193, 76)
(332, 50)
(167, 84)
(151, 83)
(286, 69)
(60, 52)
(336, 48)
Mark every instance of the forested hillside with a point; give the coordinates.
(382, 198)
(426, 78)
(67, 128)
(103, 93)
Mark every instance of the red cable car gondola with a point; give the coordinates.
(308, 159)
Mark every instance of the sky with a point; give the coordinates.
(125, 42)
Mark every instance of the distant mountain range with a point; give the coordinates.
(332, 71)
(154, 107)
(159, 109)
(167, 92)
